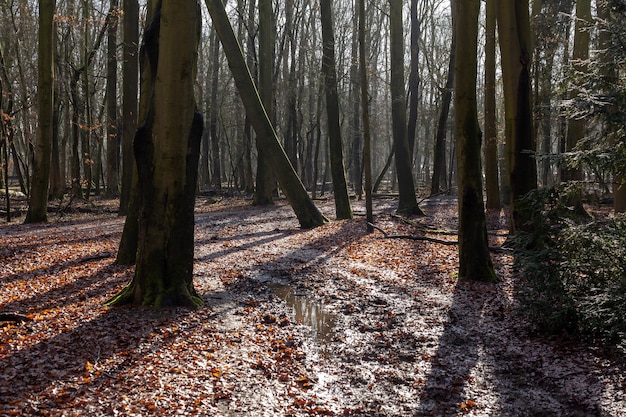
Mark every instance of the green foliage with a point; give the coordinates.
(574, 270)
(600, 87)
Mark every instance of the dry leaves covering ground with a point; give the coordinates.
(330, 321)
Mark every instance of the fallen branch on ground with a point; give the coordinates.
(496, 249)
(13, 317)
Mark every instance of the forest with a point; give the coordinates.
(302, 208)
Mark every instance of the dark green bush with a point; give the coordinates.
(573, 269)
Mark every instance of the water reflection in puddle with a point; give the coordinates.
(306, 311)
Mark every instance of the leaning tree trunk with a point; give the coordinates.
(474, 258)
(407, 203)
(340, 187)
(167, 146)
(308, 215)
(38, 203)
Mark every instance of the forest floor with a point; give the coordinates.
(330, 321)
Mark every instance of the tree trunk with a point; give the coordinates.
(167, 146)
(515, 51)
(474, 258)
(491, 132)
(264, 176)
(367, 146)
(113, 154)
(407, 203)
(216, 174)
(308, 215)
(38, 203)
(439, 162)
(414, 77)
(340, 187)
(129, 96)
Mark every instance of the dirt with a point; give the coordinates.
(329, 321)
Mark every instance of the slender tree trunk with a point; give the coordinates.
(576, 128)
(216, 174)
(113, 154)
(474, 258)
(407, 203)
(340, 187)
(439, 162)
(129, 96)
(414, 77)
(38, 203)
(264, 175)
(308, 215)
(367, 159)
(491, 136)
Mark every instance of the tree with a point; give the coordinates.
(367, 148)
(491, 137)
(340, 187)
(167, 147)
(474, 258)
(264, 175)
(308, 215)
(38, 203)
(407, 200)
(439, 160)
(515, 50)
(113, 154)
(130, 69)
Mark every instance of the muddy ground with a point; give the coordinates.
(330, 321)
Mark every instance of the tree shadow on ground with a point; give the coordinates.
(481, 365)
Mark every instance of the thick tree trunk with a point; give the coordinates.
(167, 147)
(407, 203)
(308, 215)
(474, 258)
(38, 203)
(515, 49)
(491, 132)
(340, 187)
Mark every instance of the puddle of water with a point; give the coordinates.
(307, 312)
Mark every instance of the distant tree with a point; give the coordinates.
(38, 203)
(167, 147)
(367, 146)
(113, 147)
(474, 258)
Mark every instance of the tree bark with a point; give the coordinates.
(515, 50)
(264, 175)
(340, 187)
(38, 203)
(367, 146)
(407, 203)
(167, 147)
(474, 259)
(491, 132)
(308, 215)
(130, 68)
(113, 154)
